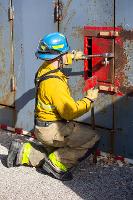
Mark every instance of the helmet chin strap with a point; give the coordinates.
(60, 63)
(60, 60)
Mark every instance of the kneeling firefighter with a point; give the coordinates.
(64, 142)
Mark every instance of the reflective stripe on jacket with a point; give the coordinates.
(54, 99)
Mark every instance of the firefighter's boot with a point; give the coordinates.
(25, 153)
(54, 171)
(12, 153)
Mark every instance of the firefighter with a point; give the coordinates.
(63, 142)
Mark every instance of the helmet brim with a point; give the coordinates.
(44, 56)
(49, 56)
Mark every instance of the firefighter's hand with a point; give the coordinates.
(77, 55)
(92, 94)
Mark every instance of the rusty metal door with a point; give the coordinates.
(124, 70)
(32, 20)
(112, 113)
(7, 78)
(76, 15)
(21, 28)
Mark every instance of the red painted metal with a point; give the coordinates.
(121, 158)
(102, 28)
(19, 131)
(99, 46)
(85, 61)
(100, 40)
(90, 83)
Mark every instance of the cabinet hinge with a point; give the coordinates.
(13, 83)
(10, 13)
(58, 16)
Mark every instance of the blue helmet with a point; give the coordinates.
(52, 46)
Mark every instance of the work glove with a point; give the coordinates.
(77, 55)
(92, 94)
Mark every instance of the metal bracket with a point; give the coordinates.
(108, 88)
(13, 83)
(109, 34)
(10, 13)
(58, 16)
(106, 56)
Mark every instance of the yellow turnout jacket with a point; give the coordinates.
(54, 98)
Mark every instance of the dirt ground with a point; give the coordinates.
(107, 180)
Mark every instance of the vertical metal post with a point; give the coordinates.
(93, 127)
(12, 78)
(92, 116)
(113, 131)
(11, 18)
(58, 13)
(58, 23)
(11, 21)
(112, 134)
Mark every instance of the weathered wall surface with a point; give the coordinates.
(112, 113)
(31, 21)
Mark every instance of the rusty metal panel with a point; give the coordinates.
(6, 67)
(124, 67)
(124, 126)
(32, 21)
(76, 15)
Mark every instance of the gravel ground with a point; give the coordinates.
(91, 182)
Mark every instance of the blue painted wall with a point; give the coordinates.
(31, 21)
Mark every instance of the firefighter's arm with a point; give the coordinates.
(66, 106)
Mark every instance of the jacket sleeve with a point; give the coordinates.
(65, 104)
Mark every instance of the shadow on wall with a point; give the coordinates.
(22, 101)
(7, 114)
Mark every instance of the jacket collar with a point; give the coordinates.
(46, 67)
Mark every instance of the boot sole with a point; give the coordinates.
(67, 176)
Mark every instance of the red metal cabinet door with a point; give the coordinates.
(101, 71)
(101, 41)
